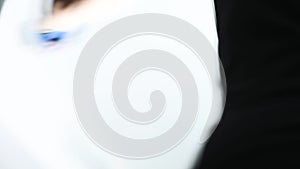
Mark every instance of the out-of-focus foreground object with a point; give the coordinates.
(132, 84)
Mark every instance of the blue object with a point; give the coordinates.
(52, 36)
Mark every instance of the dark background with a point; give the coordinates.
(259, 45)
